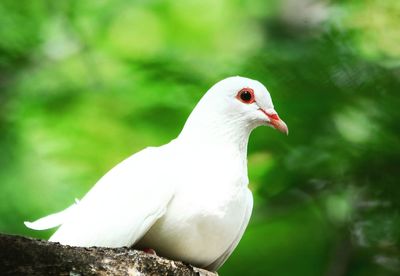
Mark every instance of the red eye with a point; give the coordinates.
(246, 95)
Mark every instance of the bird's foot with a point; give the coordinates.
(149, 251)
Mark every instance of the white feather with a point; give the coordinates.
(52, 220)
(220, 260)
(122, 205)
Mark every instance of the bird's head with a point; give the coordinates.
(230, 110)
(245, 100)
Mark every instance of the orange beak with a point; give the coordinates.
(276, 122)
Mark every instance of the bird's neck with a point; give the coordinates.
(213, 131)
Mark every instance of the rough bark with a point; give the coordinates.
(27, 256)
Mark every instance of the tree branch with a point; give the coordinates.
(27, 256)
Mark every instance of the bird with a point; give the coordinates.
(188, 199)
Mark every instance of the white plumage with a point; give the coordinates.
(188, 200)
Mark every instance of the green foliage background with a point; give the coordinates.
(84, 84)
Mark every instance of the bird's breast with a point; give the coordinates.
(203, 218)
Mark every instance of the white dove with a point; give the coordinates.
(189, 199)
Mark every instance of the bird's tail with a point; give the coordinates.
(52, 220)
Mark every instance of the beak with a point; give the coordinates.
(275, 121)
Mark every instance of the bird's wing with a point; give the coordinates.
(123, 205)
(220, 261)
